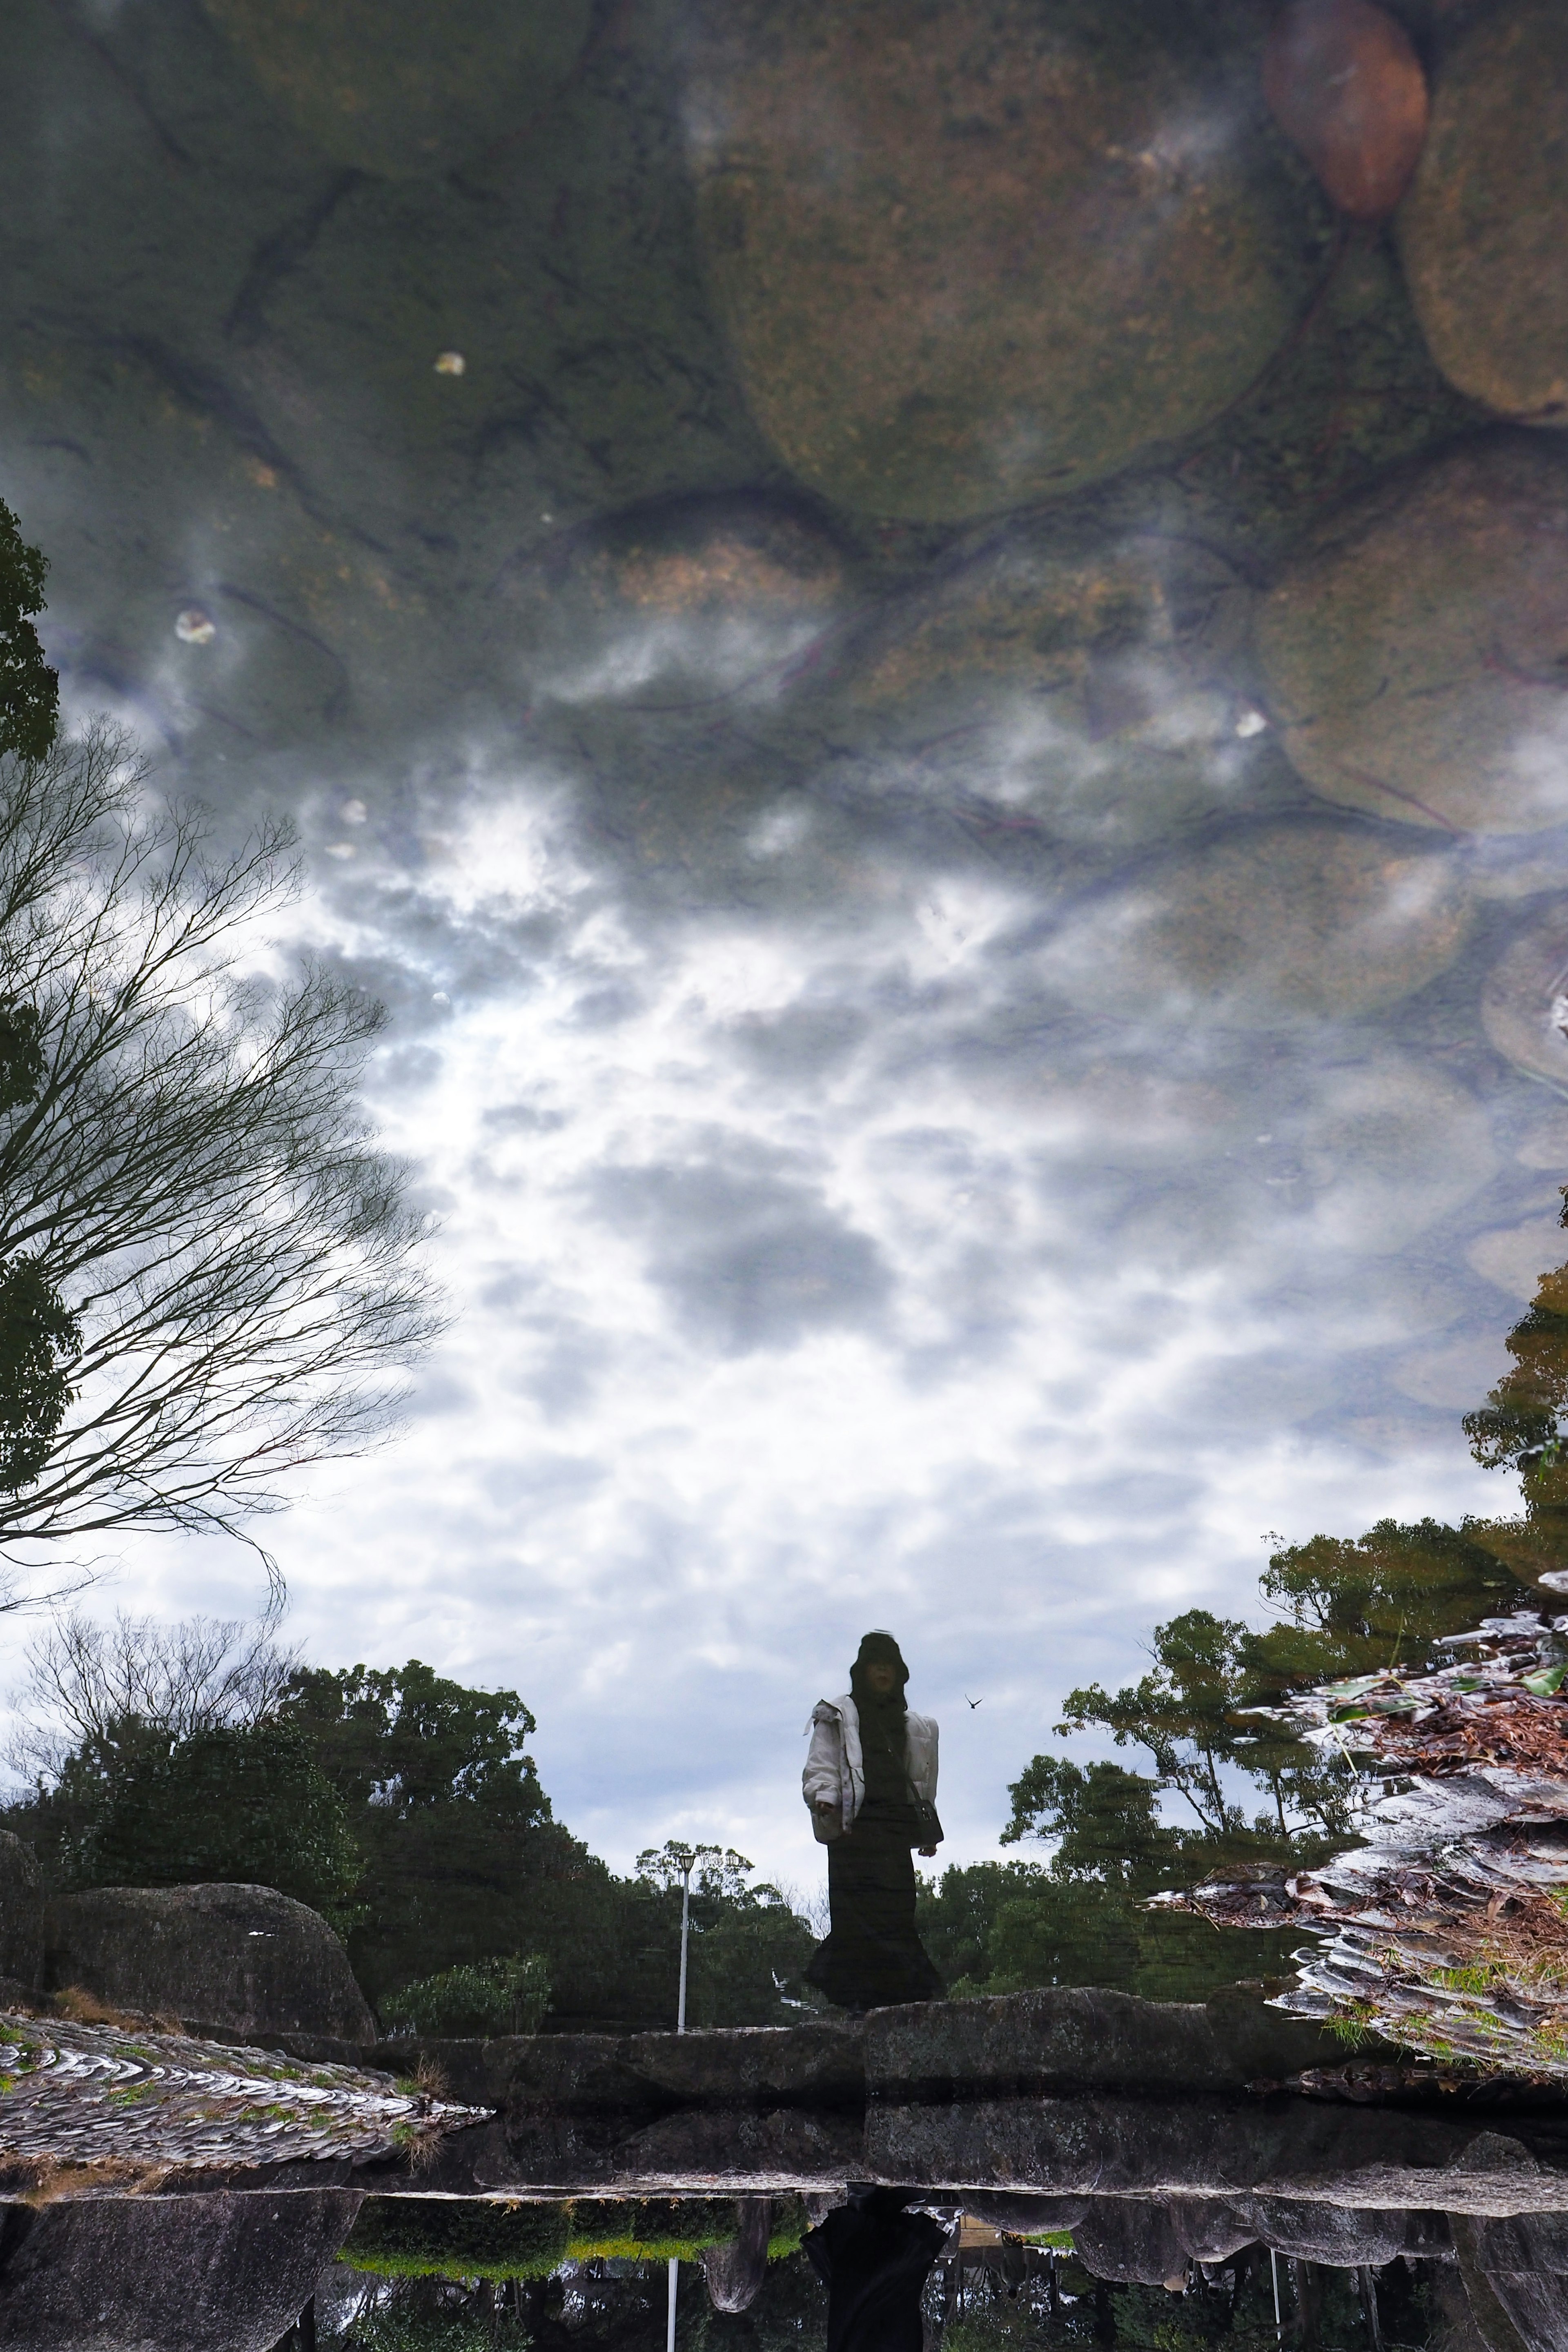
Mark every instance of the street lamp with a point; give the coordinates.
(684, 1857)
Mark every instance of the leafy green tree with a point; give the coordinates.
(1521, 1427)
(1105, 1821)
(487, 1997)
(445, 1806)
(29, 689)
(40, 1340)
(1527, 1407)
(238, 1802)
(1364, 1605)
(1184, 1712)
(748, 1949)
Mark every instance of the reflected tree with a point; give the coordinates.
(210, 1276)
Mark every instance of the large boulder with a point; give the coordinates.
(1414, 651)
(974, 252)
(1136, 2239)
(408, 87)
(195, 2274)
(242, 1960)
(1080, 686)
(21, 1917)
(1277, 928)
(1484, 227)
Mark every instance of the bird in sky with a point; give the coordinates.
(974, 1702)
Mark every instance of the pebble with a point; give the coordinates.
(1345, 84)
(1484, 230)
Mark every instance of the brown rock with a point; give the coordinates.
(1343, 82)
(1484, 229)
(1290, 924)
(243, 1959)
(1417, 651)
(411, 87)
(1078, 685)
(971, 255)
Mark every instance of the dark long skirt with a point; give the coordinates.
(872, 1957)
(874, 2259)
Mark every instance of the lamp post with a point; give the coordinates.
(686, 1858)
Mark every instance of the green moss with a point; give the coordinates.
(439, 2237)
(650, 2230)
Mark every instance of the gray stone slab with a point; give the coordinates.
(1078, 2037)
(1280, 2147)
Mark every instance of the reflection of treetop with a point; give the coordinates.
(206, 1270)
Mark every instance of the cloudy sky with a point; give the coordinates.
(913, 1144)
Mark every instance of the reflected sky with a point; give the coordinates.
(972, 941)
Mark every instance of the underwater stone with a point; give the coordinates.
(969, 256)
(1346, 87)
(403, 88)
(1484, 229)
(1290, 924)
(1524, 1007)
(1417, 651)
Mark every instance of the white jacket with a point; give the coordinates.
(835, 1771)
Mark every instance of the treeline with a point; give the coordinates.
(406, 1807)
(1245, 1796)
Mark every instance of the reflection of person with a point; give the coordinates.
(874, 2259)
(870, 1761)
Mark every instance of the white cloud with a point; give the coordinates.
(796, 1295)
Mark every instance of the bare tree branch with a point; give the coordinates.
(84, 1680)
(190, 1172)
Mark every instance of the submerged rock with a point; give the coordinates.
(983, 254)
(408, 88)
(1417, 651)
(245, 1959)
(1289, 925)
(1345, 84)
(1484, 229)
(1081, 685)
(1524, 1005)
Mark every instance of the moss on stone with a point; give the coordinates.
(972, 255)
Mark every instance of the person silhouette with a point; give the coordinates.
(870, 1765)
(874, 2260)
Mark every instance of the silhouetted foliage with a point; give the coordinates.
(207, 1272)
(29, 689)
(238, 1802)
(479, 1997)
(1105, 1821)
(40, 1340)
